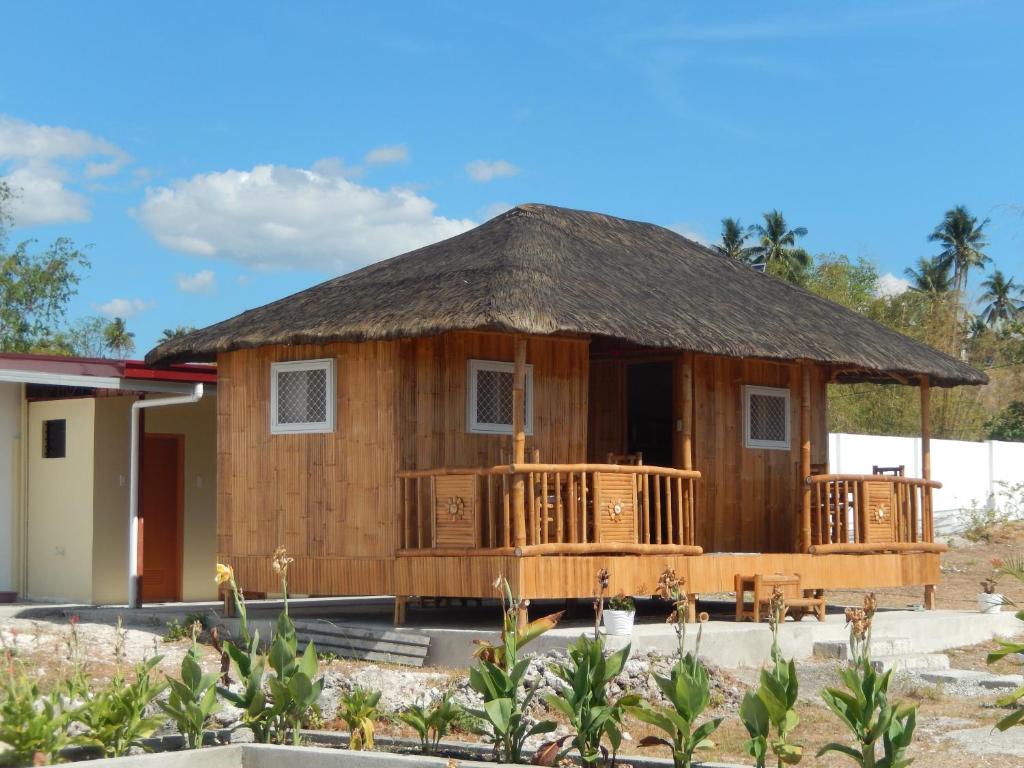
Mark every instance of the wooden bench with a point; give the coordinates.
(799, 602)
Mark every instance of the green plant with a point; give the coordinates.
(432, 723)
(33, 725)
(498, 677)
(687, 689)
(585, 702)
(359, 710)
(773, 704)
(863, 704)
(621, 602)
(1013, 567)
(180, 630)
(293, 691)
(116, 716)
(192, 700)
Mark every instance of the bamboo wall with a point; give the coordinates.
(747, 498)
(332, 499)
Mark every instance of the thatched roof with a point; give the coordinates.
(537, 269)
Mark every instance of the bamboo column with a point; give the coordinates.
(926, 472)
(687, 414)
(519, 440)
(805, 456)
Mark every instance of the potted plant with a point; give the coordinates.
(990, 601)
(618, 616)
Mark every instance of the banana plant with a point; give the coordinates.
(192, 700)
(863, 707)
(688, 691)
(584, 702)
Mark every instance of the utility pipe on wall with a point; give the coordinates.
(133, 486)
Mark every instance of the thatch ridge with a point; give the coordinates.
(539, 269)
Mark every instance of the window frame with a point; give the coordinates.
(771, 445)
(308, 427)
(475, 427)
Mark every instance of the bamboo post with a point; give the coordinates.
(805, 456)
(687, 414)
(519, 440)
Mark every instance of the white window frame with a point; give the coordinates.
(277, 428)
(772, 445)
(485, 428)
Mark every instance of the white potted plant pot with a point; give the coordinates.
(618, 622)
(990, 602)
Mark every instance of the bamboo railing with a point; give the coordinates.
(868, 513)
(567, 509)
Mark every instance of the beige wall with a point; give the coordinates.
(198, 423)
(111, 449)
(60, 536)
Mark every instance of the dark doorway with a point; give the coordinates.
(161, 524)
(649, 412)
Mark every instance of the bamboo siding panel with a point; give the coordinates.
(447, 576)
(607, 417)
(615, 505)
(748, 499)
(314, 576)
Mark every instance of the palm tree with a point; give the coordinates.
(931, 277)
(119, 340)
(733, 238)
(1001, 306)
(963, 241)
(776, 245)
(177, 332)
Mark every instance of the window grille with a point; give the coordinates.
(302, 396)
(766, 417)
(489, 395)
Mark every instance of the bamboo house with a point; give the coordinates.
(553, 392)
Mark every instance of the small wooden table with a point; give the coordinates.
(799, 602)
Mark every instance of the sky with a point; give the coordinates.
(217, 156)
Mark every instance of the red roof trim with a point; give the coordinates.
(120, 369)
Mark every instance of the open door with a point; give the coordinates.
(649, 412)
(161, 507)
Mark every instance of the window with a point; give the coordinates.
(302, 396)
(55, 439)
(766, 417)
(489, 400)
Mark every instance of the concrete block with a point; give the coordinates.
(951, 676)
(880, 646)
(1010, 682)
(910, 662)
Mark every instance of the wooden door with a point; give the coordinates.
(161, 504)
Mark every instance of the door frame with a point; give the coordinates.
(179, 513)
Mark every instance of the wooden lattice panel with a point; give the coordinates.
(879, 513)
(455, 511)
(615, 506)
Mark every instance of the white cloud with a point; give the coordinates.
(39, 161)
(278, 217)
(123, 307)
(202, 281)
(890, 285)
(396, 153)
(488, 170)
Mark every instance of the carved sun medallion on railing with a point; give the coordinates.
(615, 510)
(456, 508)
(880, 513)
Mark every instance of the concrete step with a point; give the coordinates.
(880, 646)
(367, 644)
(973, 677)
(910, 662)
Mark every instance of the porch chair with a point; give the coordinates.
(799, 602)
(900, 471)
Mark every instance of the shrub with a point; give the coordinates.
(621, 602)
(192, 700)
(359, 710)
(432, 723)
(33, 725)
(116, 717)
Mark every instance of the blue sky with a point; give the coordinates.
(220, 155)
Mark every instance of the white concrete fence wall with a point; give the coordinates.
(972, 474)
